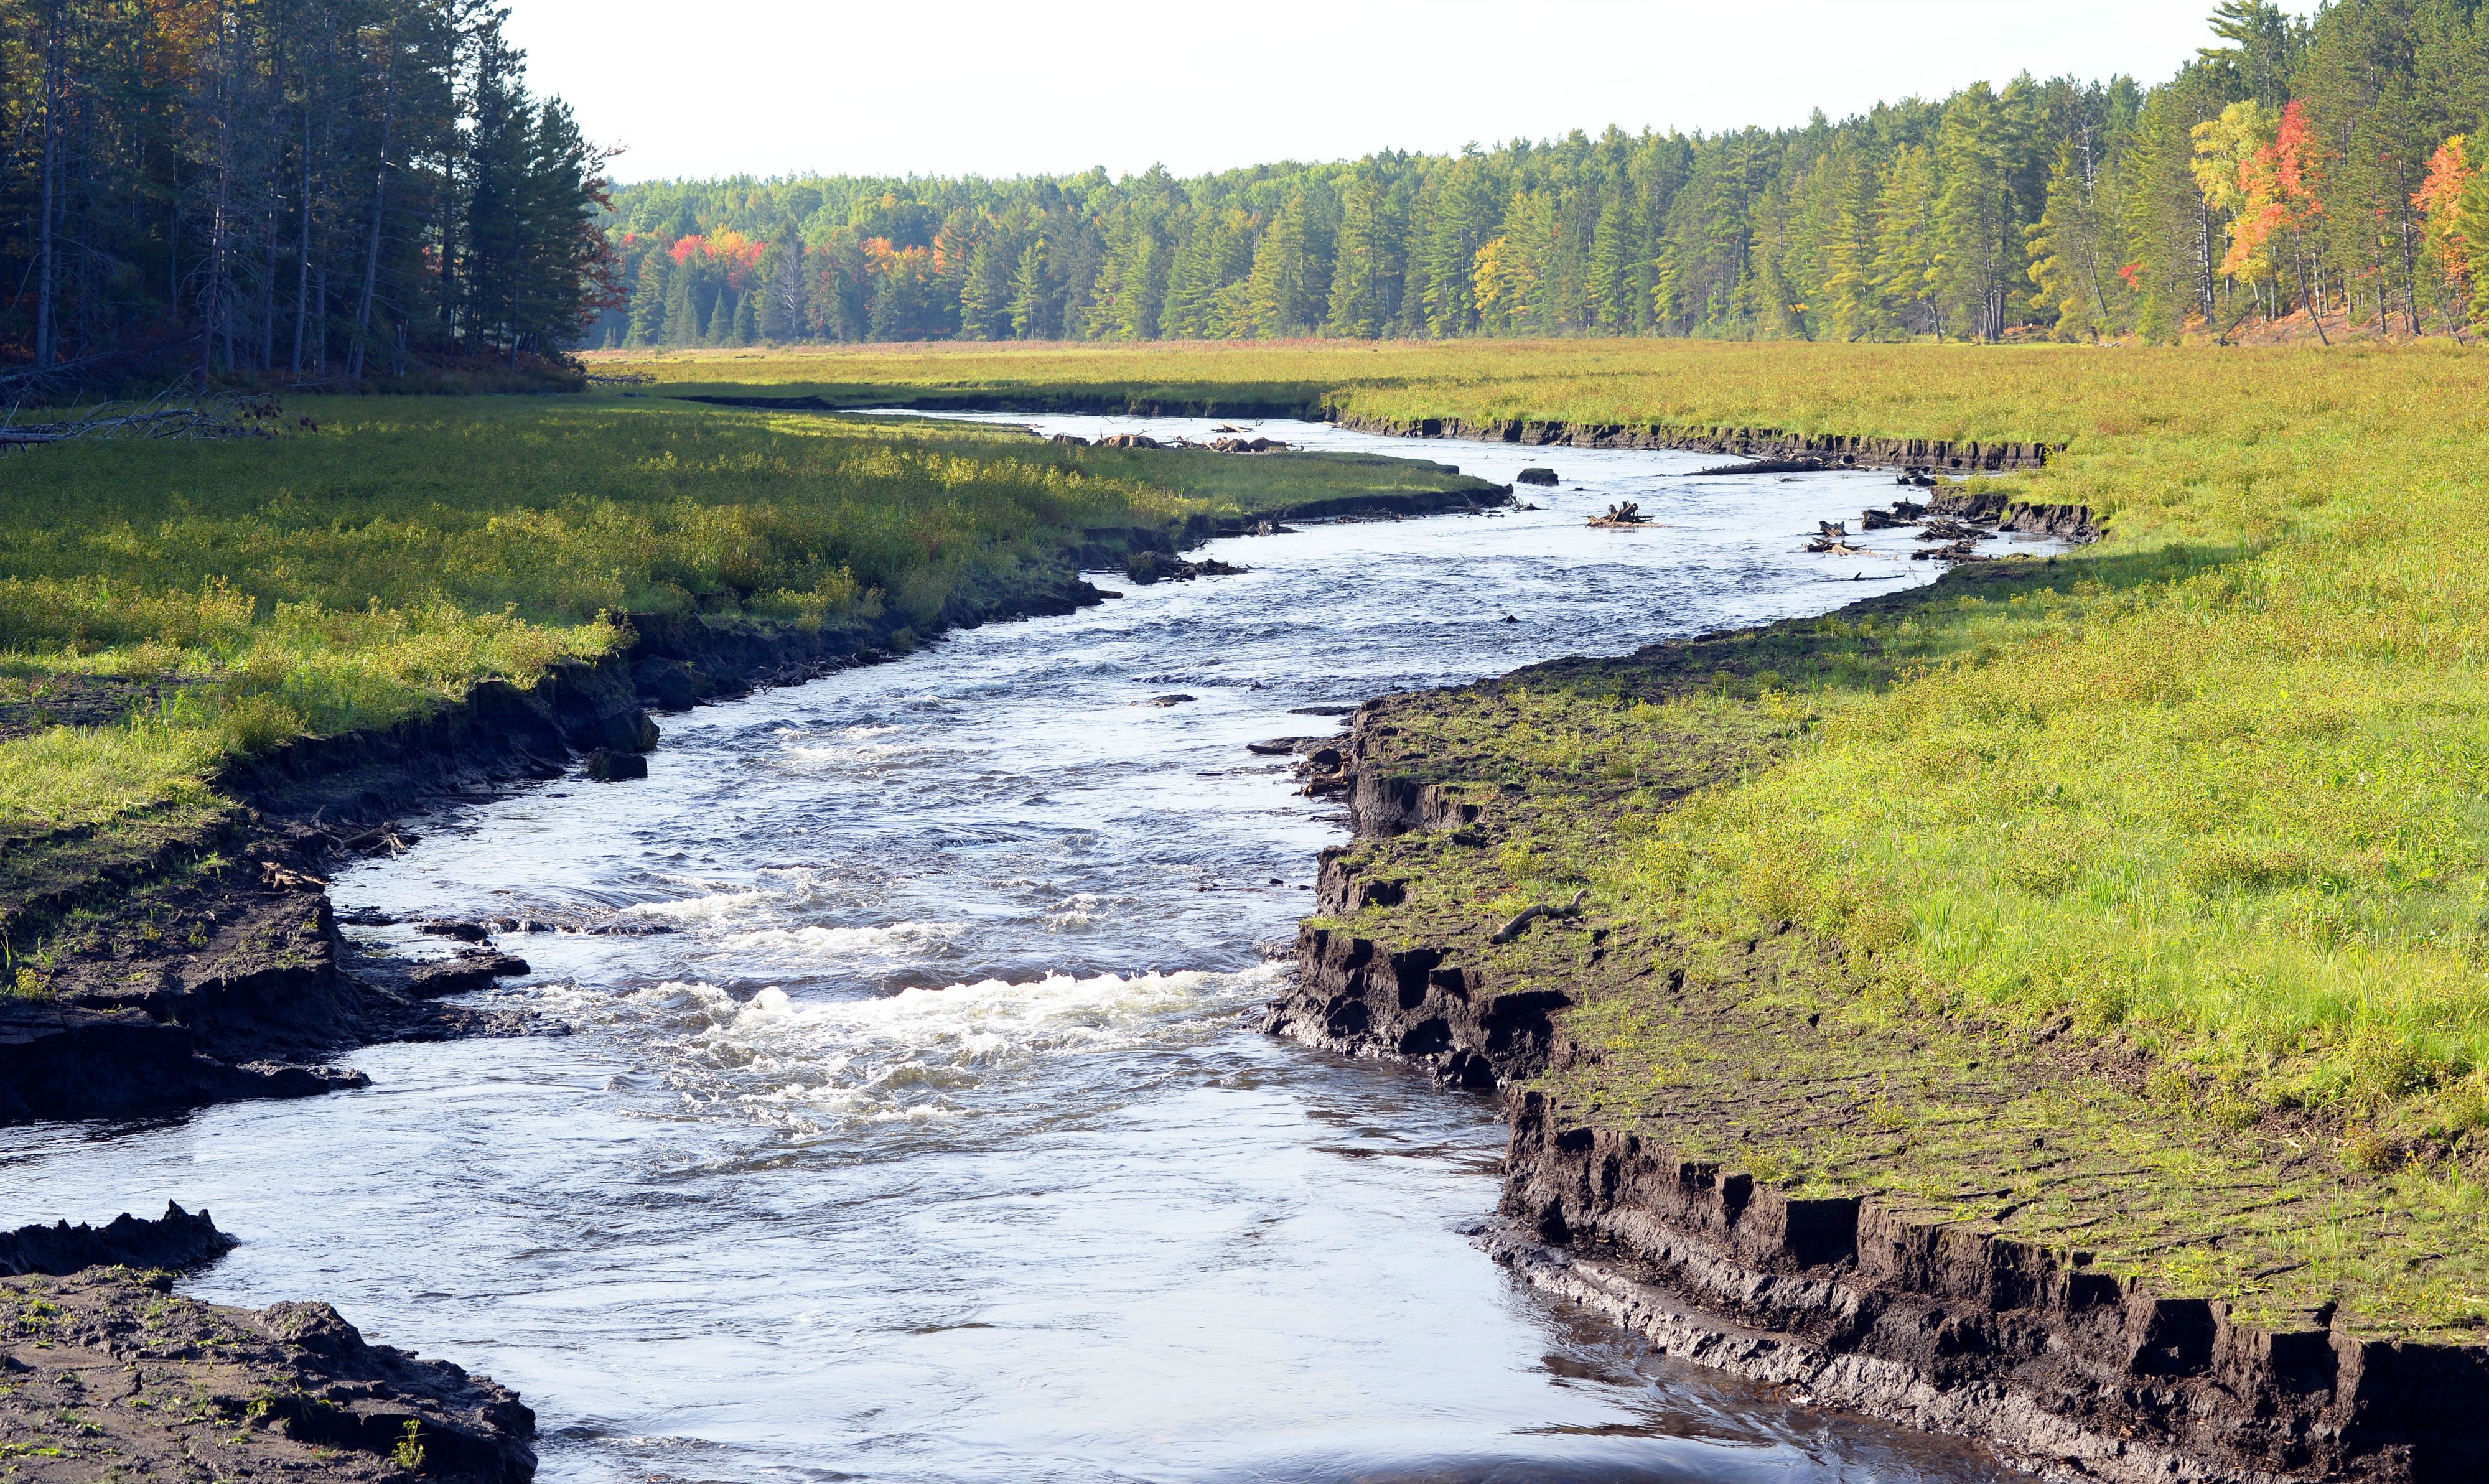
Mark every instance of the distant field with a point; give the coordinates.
(2215, 793)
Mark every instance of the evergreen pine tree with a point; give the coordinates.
(986, 294)
(1908, 257)
(1853, 308)
(1033, 312)
(682, 313)
(648, 300)
(1280, 296)
(2068, 252)
(1365, 273)
(1463, 219)
(1973, 219)
(2472, 226)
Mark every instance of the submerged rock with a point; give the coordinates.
(607, 766)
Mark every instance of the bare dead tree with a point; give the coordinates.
(380, 195)
(172, 413)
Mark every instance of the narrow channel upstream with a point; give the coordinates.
(932, 1141)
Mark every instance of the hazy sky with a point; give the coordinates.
(875, 87)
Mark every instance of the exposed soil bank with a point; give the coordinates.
(2062, 1369)
(1833, 450)
(105, 1374)
(206, 962)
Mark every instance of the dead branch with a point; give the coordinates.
(1527, 915)
(213, 416)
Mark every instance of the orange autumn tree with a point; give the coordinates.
(2454, 203)
(731, 252)
(2261, 171)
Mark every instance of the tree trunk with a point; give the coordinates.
(215, 314)
(2308, 295)
(303, 249)
(380, 193)
(46, 251)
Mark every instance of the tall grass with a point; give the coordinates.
(385, 555)
(2221, 784)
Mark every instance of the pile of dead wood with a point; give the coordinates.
(216, 415)
(1621, 517)
(1832, 539)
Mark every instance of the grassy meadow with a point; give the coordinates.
(2213, 795)
(2222, 779)
(2175, 848)
(166, 605)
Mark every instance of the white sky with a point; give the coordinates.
(771, 87)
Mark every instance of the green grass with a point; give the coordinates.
(164, 605)
(2214, 794)
(2221, 781)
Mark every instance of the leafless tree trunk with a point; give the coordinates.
(270, 211)
(303, 249)
(2204, 261)
(46, 251)
(2311, 295)
(380, 194)
(215, 314)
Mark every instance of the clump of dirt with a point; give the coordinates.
(34, 703)
(108, 1373)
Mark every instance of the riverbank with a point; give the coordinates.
(163, 881)
(2165, 856)
(105, 1373)
(1735, 1141)
(2188, 824)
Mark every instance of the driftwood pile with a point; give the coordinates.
(218, 414)
(1832, 538)
(1623, 517)
(1144, 441)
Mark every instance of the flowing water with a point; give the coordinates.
(934, 1142)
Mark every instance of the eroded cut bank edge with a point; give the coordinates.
(2060, 1369)
(1832, 449)
(289, 1390)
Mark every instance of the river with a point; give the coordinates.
(932, 1141)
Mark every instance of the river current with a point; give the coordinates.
(933, 1141)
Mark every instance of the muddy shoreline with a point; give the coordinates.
(2061, 1369)
(105, 1373)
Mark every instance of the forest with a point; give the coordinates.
(2296, 165)
(290, 192)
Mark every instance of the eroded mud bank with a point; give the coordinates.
(105, 1373)
(2063, 1369)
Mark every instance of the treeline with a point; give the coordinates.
(303, 191)
(2297, 165)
